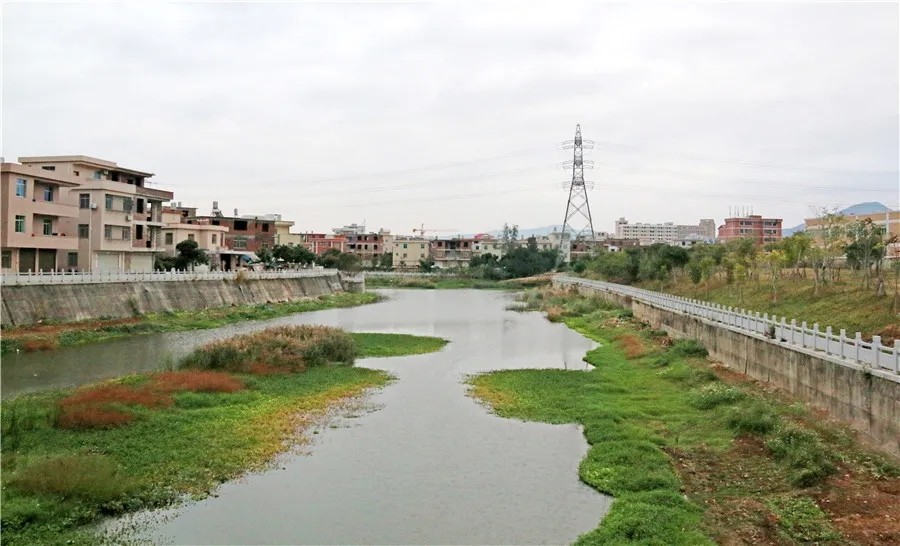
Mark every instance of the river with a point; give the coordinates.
(427, 465)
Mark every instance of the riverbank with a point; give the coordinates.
(72, 457)
(840, 304)
(693, 453)
(43, 337)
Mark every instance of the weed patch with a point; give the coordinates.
(801, 520)
(804, 454)
(197, 381)
(632, 346)
(94, 478)
(754, 417)
(710, 396)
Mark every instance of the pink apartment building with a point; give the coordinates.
(112, 214)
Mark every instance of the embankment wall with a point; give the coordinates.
(24, 305)
(868, 400)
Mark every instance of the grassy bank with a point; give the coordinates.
(840, 304)
(52, 336)
(694, 454)
(72, 457)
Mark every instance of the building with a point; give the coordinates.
(319, 243)
(667, 233)
(891, 219)
(119, 221)
(691, 240)
(245, 234)
(485, 244)
(409, 251)
(34, 210)
(761, 230)
(370, 246)
(452, 252)
(210, 238)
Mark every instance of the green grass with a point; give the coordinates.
(649, 417)
(843, 304)
(383, 345)
(17, 339)
(54, 481)
(801, 521)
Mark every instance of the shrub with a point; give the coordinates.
(689, 348)
(87, 477)
(554, 313)
(804, 453)
(197, 381)
(39, 344)
(756, 417)
(284, 348)
(710, 396)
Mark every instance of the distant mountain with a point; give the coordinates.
(869, 207)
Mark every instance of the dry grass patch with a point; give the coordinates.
(632, 346)
(39, 344)
(91, 417)
(197, 381)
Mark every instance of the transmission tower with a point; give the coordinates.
(578, 222)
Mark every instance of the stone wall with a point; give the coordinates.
(24, 305)
(867, 400)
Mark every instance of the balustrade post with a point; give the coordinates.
(793, 329)
(858, 342)
(843, 341)
(876, 348)
(828, 340)
(896, 364)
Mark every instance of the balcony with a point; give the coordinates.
(27, 240)
(53, 208)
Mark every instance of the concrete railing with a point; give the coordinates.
(843, 348)
(49, 277)
(404, 274)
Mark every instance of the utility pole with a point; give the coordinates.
(578, 211)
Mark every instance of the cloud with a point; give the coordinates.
(254, 105)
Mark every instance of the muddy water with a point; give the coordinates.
(428, 466)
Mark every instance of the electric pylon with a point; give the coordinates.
(578, 224)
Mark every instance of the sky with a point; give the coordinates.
(452, 115)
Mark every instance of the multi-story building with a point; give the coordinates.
(454, 252)
(485, 244)
(119, 221)
(891, 219)
(245, 235)
(319, 243)
(409, 251)
(761, 230)
(208, 237)
(370, 246)
(34, 210)
(667, 232)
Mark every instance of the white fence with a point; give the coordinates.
(47, 277)
(870, 354)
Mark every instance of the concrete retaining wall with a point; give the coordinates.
(867, 400)
(23, 305)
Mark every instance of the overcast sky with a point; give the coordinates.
(451, 115)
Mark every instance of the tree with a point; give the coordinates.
(867, 249)
(265, 256)
(829, 236)
(386, 261)
(776, 260)
(509, 236)
(189, 255)
(426, 266)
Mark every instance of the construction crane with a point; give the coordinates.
(422, 230)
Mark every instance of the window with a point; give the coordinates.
(72, 259)
(240, 225)
(140, 206)
(6, 259)
(83, 231)
(84, 200)
(240, 242)
(126, 234)
(190, 236)
(169, 238)
(48, 167)
(216, 222)
(214, 238)
(107, 232)
(127, 204)
(109, 202)
(76, 173)
(98, 175)
(404, 246)
(139, 232)
(48, 226)
(48, 193)
(265, 227)
(20, 187)
(20, 224)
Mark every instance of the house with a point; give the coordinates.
(34, 210)
(119, 220)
